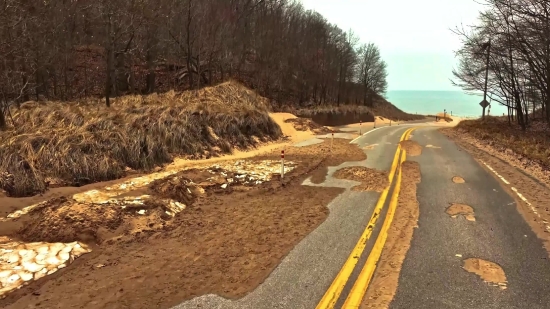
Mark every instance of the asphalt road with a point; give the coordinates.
(303, 277)
(432, 274)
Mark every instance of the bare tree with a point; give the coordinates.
(68, 49)
(372, 72)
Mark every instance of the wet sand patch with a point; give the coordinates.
(466, 211)
(411, 147)
(371, 179)
(488, 271)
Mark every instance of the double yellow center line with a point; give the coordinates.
(361, 284)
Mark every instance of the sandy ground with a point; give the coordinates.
(289, 129)
(527, 182)
(384, 284)
(226, 240)
(191, 228)
(379, 121)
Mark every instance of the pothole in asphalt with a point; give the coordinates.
(411, 147)
(432, 146)
(489, 272)
(466, 211)
(458, 179)
(371, 179)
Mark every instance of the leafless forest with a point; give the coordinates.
(514, 36)
(64, 50)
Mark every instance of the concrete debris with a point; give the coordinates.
(21, 263)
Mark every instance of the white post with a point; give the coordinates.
(360, 129)
(282, 164)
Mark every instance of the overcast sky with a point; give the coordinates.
(414, 36)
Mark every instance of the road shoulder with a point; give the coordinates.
(528, 184)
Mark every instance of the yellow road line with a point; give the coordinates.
(333, 293)
(360, 287)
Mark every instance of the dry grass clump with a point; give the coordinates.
(533, 144)
(85, 142)
(390, 111)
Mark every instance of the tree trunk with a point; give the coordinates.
(150, 88)
(66, 93)
(519, 111)
(2, 117)
(189, 49)
(85, 79)
(132, 77)
(110, 60)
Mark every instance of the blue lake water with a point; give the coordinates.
(433, 102)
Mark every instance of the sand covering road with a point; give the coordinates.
(456, 210)
(112, 212)
(490, 272)
(384, 283)
(96, 215)
(226, 241)
(458, 179)
(370, 179)
(412, 147)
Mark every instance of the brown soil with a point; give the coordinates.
(340, 154)
(490, 272)
(384, 284)
(413, 148)
(458, 179)
(226, 244)
(370, 179)
(456, 210)
(529, 179)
